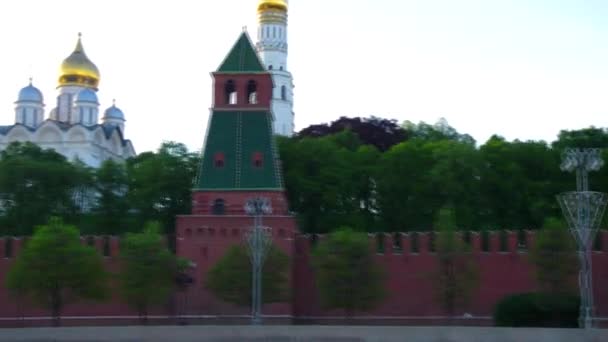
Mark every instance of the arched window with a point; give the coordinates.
(231, 93)
(219, 207)
(284, 93)
(219, 160)
(257, 160)
(270, 67)
(252, 92)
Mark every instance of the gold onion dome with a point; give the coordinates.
(78, 70)
(272, 4)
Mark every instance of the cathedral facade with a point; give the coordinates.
(72, 128)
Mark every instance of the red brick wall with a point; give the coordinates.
(203, 239)
(409, 284)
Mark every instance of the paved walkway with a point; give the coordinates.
(299, 334)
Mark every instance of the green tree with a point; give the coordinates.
(147, 271)
(55, 269)
(457, 274)
(330, 181)
(554, 255)
(111, 185)
(347, 276)
(230, 277)
(36, 184)
(160, 184)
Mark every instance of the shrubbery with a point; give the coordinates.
(537, 310)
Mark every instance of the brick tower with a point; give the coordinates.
(240, 161)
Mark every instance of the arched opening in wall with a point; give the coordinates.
(414, 243)
(432, 242)
(379, 243)
(230, 93)
(252, 92)
(281, 68)
(219, 207)
(466, 237)
(270, 67)
(485, 241)
(397, 245)
(8, 248)
(106, 246)
(504, 241)
(597, 243)
(90, 241)
(284, 93)
(522, 241)
(257, 160)
(218, 160)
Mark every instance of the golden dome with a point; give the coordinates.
(272, 4)
(78, 70)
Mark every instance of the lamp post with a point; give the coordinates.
(258, 241)
(583, 210)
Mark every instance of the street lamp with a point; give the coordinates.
(583, 210)
(258, 241)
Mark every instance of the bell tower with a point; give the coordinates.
(273, 48)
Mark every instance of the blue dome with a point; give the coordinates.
(87, 95)
(114, 113)
(30, 94)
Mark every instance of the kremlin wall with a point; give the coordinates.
(408, 286)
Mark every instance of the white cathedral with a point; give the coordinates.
(72, 128)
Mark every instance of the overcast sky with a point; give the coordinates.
(519, 68)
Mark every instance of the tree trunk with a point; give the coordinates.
(56, 306)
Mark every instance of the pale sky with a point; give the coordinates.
(519, 68)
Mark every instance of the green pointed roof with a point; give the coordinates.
(242, 57)
(238, 136)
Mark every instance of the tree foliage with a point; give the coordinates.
(554, 255)
(230, 278)
(334, 178)
(160, 184)
(36, 184)
(348, 277)
(148, 270)
(55, 269)
(374, 131)
(457, 275)
(112, 209)
(330, 181)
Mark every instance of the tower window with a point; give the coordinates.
(284, 93)
(270, 67)
(252, 92)
(231, 93)
(219, 207)
(219, 160)
(257, 160)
